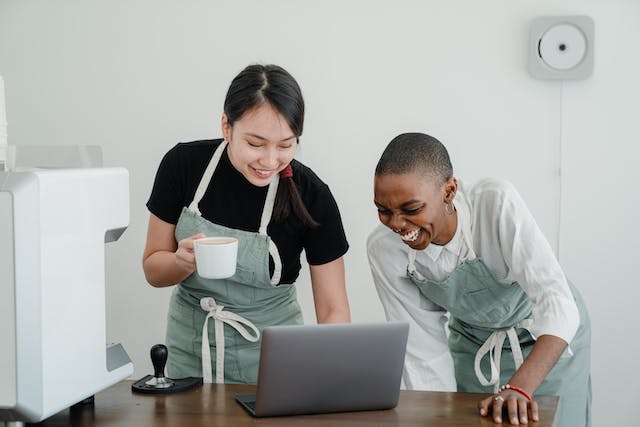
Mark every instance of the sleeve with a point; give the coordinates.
(428, 362)
(328, 241)
(167, 196)
(531, 262)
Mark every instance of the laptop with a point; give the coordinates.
(313, 369)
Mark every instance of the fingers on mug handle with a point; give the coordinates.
(187, 242)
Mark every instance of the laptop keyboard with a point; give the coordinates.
(251, 404)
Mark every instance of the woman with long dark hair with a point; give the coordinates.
(248, 186)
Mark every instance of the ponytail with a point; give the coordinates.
(288, 202)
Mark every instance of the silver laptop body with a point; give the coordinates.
(311, 369)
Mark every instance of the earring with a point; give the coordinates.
(448, 208)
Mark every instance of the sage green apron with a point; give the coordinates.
(485, 314)
(240, 306)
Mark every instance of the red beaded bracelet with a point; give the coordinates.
(514, 388)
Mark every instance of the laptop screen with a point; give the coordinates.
(308, 369)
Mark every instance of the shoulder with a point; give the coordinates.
(307, 181)
(193, 149)
(189, 158)
(492, 192)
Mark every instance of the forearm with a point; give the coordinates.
(544, 355)
(338, 314)
(161, 269)
(329, 292)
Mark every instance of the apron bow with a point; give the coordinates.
(221, 317)
(493, 347)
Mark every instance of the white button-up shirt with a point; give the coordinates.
(507, 238)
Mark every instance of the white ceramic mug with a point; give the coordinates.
(216, 256)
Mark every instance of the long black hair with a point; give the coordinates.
(271, 84)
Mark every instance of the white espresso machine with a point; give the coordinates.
(54, 224)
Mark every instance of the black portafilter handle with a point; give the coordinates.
(159, 354)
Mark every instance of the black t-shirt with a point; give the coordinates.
(234, 202)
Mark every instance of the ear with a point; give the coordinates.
(226, 127)
(450, 189)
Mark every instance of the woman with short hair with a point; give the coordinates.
(517, 327)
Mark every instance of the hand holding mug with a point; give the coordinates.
(185, 258)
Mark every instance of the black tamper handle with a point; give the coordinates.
(159, 354)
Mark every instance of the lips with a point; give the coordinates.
(262, 173)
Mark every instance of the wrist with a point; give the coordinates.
(516, 389)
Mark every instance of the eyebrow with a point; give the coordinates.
(404, 205)
(262, 138)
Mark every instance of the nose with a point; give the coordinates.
(269, 158)
(396, 222)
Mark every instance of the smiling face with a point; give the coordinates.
(414, 208)
(261, 143)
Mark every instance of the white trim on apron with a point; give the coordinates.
(208, 304)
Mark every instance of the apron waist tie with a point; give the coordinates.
(220, 317)
(493, 347)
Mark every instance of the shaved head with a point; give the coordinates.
(416, 153)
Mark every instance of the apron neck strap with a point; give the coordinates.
(464, 216)
(267, 210)
(207, 177)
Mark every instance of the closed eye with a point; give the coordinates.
(381, 209)
(412, 211)
(254, 144)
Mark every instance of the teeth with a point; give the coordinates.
(411, 236)
(261, 172)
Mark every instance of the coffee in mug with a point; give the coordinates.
(216, 256)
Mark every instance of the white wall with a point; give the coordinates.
(138, 76)
(600, 202)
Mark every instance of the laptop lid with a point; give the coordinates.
(310, 369)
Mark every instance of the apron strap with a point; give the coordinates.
(269, 202)
(206, 178)
(493, 347)
(411, 267)
(220, 317)
(277, 263)
(465, 218)
(267, 211)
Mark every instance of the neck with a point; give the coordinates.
(449, 230)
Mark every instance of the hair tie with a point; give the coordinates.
(286, 172)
